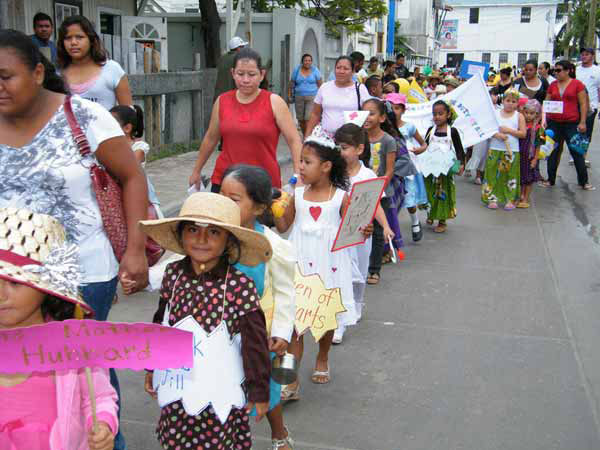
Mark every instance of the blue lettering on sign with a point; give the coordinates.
(197, 347)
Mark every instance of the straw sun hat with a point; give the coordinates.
(212, 209)
(33, 252)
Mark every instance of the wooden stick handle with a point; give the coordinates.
(92, 393)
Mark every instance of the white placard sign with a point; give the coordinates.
(553, 107)
(216, 378)
(476, 119)
(364, 200)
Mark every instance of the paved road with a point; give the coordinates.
(482, 339)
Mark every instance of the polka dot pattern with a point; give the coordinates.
(202, 297)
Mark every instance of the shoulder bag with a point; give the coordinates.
(109, 196)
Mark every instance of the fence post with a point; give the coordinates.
(156, 107)
(149, 119)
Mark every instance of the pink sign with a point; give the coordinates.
(74, 344)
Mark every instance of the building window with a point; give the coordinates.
(526, 14)
(110, 24)
(65, 9)
(486, 58)
(534, 56)
(503, 58)
(521, 60)
(473, 15)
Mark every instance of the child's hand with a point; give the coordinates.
(280, 204)
(388, 234)
(461, 170)
(502, 136)
(367, 231)
(534, 162)
(148, 386)
(505, 130)
(278, 345)
(419, 150)
(261, 409)
(102, 438)
(127, 284)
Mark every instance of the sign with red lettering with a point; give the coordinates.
(75, 344)
(316, 306)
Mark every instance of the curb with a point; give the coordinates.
(172, 209)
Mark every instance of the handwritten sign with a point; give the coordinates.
(364, 200)
(75, 344)
(216, 378)
(553, 107)
(316, 306)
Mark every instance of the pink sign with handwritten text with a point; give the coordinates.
(74, 344)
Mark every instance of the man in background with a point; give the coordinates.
(43, 28)
(224, 78)
(401, 70)
(589, 74)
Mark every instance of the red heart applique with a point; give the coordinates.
(334, 269)
(315, 212)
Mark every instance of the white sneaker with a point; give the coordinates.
(571, 162)
(588, 163)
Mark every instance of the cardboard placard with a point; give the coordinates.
(316, 306)
(216, 377)
(470, 68)
(553, 107)
(76, 344)
(364, 200)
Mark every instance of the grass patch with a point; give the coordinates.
(167, 150)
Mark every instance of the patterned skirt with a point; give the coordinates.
(441, 192)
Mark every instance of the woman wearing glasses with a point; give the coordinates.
(571, 92)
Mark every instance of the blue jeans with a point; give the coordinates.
(100, 298)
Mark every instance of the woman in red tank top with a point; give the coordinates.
(249, 121)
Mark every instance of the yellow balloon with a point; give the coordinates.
(403, 84)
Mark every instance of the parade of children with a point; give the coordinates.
(236, 258)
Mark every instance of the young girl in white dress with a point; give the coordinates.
(354, 146)
(316, 214)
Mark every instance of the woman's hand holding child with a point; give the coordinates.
(101, 438)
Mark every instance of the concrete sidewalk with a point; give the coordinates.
(484, 338)
(170, 175)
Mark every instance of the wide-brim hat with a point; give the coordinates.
(434, 75)
(210, 209)
(34, 252)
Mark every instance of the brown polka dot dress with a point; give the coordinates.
(201, 296)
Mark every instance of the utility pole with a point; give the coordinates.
(568, 43)
(248, 8)
(591, 32)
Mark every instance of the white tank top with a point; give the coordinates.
(510, 122)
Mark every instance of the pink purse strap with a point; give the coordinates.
(78, 135)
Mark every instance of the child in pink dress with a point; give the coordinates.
(38, 283)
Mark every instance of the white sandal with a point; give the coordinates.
(276, 444)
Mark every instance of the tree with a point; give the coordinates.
(211, 22)
(578, 25)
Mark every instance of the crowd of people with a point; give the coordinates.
(68, 109)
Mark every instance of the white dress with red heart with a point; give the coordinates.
(315, 228)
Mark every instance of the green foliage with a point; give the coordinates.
(348, 14)
(578, 19)
(400, 43)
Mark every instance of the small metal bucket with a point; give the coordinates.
(285, 369)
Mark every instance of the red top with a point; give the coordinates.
(250, 135)
(569, 98)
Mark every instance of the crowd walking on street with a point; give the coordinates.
(68, 121)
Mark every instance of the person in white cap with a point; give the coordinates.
(224, 79)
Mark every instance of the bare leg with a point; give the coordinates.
(302, 124)
(322, 363)
(527, 192)
(278, 430)
(296, 348)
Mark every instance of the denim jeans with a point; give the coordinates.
(100, 298)
(563, 132)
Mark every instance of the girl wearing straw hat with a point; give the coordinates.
(205, 288)
(39, 277)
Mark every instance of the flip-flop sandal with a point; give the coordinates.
(544, 184)
(386, 258)
(492, 205)
(441, 228)
(429, 222)
(373, 278)
(509, 207)
(523, 205)
(321, 374)
(588, 187)
(288, 394)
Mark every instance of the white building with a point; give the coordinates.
(498, 32)
(417, 25)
